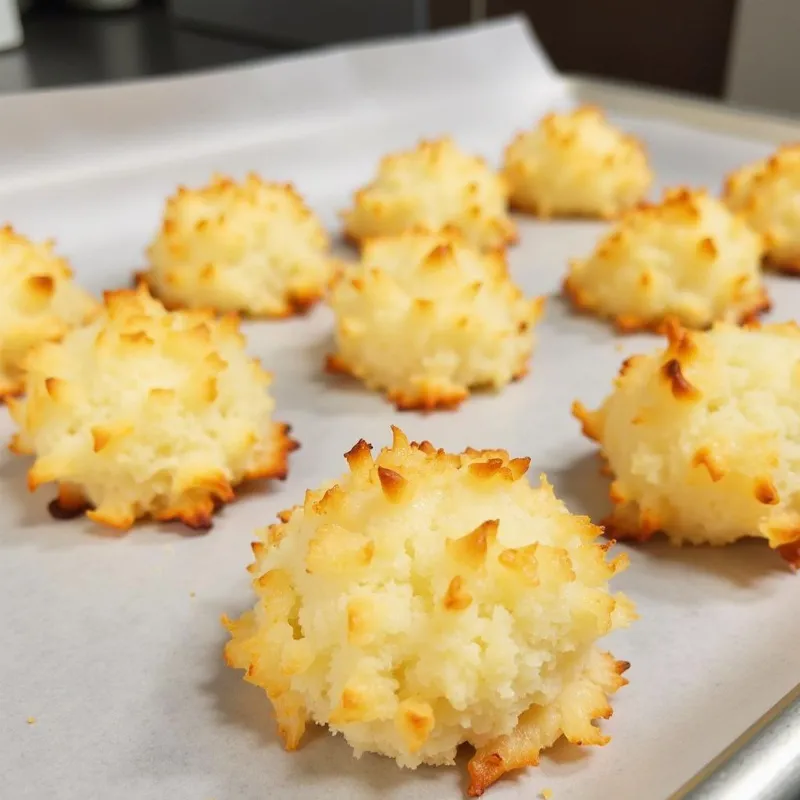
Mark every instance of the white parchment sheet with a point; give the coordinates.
(113, 644)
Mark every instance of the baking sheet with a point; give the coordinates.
(113, 644)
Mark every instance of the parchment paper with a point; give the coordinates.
(113, 644)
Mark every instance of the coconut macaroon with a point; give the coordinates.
(767, 194)
(576, 164)
(426, 599)
(424, 317)
(39, 303)
(435, 186)
(146, 412)
(251, 247)
(687, 258)
(703, 438)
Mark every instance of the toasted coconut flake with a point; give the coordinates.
(715, 459)
(457, 598)
(440, 188)
(470, 550)
(589, 426)
(704, 457)
(415, 721)
(518, 467)
(172, 450)
(791, 552)
(39, 303)
(361, 622)
(701, 262)
(251, 247)
(393, 484)
(681, 388)
(401, 331)
(680, 342)
(766, 492)
(359, 456)
(105, 435)
(576, 164)
(69, 503)
(524, 562)
(365, 614)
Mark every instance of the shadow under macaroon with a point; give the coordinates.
(583, 487)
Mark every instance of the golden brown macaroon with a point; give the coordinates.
(39, 303)
(703, 438)
(424, 317)
(767, 194)
(438, 187)
(687, 258)
(249, 247)
(147, 412)
(576, 164)
(427, 599)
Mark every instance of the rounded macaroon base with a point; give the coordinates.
(294, 305)
(40, 302)
(790, 268)
(531, 209)
(436, 187)
(424, 318)
(687, 259)
(252, 247)
(697, 441)
(373, 592)
(785, 263)
(71, 502)
(539, 728)
(425, 399)
(171, 445)
(576, 165)
(630, 323)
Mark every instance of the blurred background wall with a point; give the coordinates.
(742, 50)
(764, 56)
(679, 44)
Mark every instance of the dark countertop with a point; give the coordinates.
(65, 48)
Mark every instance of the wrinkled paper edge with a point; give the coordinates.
(73, 131)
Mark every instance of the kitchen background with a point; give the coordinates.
(742, 51)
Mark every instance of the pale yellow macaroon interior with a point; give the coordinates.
(424, 317)
(426, 599)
